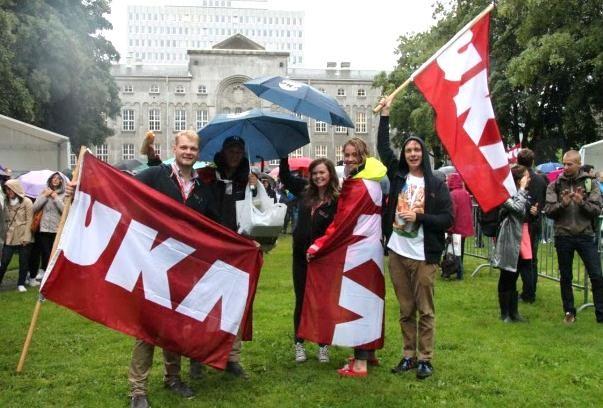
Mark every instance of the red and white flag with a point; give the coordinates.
(143, 264)
(344, 298)
(455, 83)
(513, 152)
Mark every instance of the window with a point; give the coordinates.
(179, 120)
(320, 151)
(155, 120)
(127, 120)
(127, 151)
(297, 153)
(180, 89)
(72, 160)
(274, 162)
(341, 129)
(360, 122)
(102, 152)
(202, 89)
(202, 118)
(320, 127)
(340, 92)
(238, 110)
(128, 89)
(339, 154)
(361, 92)
(322, 90)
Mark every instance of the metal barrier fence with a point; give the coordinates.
(481, 247)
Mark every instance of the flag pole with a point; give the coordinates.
(36, 312)
(467, 26)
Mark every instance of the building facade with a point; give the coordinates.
(167, 99)
(164, 34)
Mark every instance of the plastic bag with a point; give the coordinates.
(264, 219)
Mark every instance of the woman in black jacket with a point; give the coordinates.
(317, 205)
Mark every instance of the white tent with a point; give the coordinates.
(593, 154)
(25, 147)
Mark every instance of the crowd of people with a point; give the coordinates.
(420, 210)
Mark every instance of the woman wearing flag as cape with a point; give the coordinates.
(343, 303)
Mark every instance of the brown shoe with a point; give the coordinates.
(569, 318)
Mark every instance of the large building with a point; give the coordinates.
(164, 34)
(167, 99)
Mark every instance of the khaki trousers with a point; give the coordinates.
(142, 361)
(414, 286)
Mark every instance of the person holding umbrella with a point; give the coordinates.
(318, 202)
(50, 202)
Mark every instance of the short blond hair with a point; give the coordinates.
(190, 134)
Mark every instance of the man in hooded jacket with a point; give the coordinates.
(418, 213)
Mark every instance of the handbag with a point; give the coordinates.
(450, 263)
(35, 222)
(265, 220)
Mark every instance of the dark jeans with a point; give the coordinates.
(529, 276)
(587, 250)
(35, 252)
(7, 256)
(46, 242)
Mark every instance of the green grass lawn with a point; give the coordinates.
(479, 361)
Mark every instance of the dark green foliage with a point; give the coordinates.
(55, 67)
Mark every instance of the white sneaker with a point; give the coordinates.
(300, 353)
(21, 288)
(33, 283)
(323, 354)
(40, 275)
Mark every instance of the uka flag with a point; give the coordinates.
(345, 289)
(456, 86)
(141, 263)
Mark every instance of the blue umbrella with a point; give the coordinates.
(300, 98)
(548, 167)
(267, 135)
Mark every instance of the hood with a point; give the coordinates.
(403, 166)
(61, 188)
(454, 181)
(16, 186)
(242, 172)
(373, 170)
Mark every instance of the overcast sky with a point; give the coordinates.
(362, 32)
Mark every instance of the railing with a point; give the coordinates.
(482, 247)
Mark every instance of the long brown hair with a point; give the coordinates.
(311, 196)
(518, 171)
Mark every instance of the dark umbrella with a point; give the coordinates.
(269, 135)
(300, 98)
(128, 165)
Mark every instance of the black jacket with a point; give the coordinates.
(438, 206)
(536, 194)
(201, 198)
(309, 226)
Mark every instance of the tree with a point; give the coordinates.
(55, 67)
(546, 71)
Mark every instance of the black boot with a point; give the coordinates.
(503, 301)
(513, 312)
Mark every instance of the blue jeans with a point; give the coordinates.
(587, 250)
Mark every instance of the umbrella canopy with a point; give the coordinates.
(34, 182)
(198, 164)
(301, 164)
(128, 165)
(300, 98)
(267, 135)
(548, 167)
(447, 169)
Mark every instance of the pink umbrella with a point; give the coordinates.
(300, 164)
(552, 176)
(35, 181)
